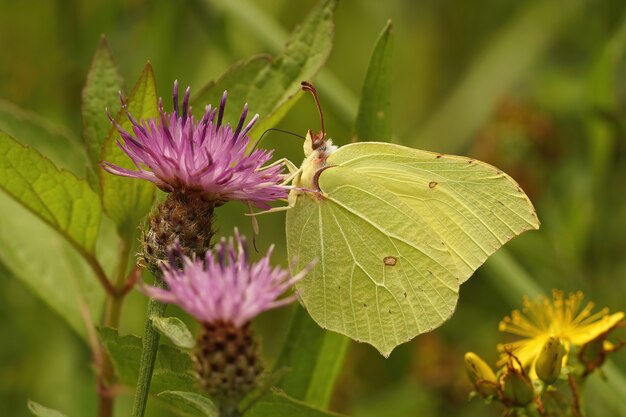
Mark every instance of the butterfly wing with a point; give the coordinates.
(383, 275)
(474, 207)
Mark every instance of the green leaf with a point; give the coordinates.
(57, 143)
(174, 329)
(233, 81)
(269, 88)
(188, 404)
(278, 404)
(41, 411)
(373, 121)
(100, 92)
(48, 265)
(127, 200)
(313, 358)
(172, 370)
(337, 96)
(58, 197)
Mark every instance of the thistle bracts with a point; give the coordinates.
(184, 219)
(226, 361)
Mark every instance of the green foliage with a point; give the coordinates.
(277, 404)
(56, 143)
(101, 90)
(127, 200)
(48, 265)
(269, 86)
(529, 33)
(188, 404)
(373, 121)
(41, 411)
(174, 329)
(172, 371)
(312, 359)
(60, 199)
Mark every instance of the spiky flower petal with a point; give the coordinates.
(206, 157)
(225, 286)
(560, 317)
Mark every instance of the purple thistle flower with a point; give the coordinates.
(204, 156)
(225, 286)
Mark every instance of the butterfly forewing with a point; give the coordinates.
(474, 207)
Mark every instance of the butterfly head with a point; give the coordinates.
(313, 142)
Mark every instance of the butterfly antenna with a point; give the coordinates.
(277, 130)
(307, 86)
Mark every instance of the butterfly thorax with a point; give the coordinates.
(316, 152)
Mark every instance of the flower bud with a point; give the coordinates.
(518, 389)
(550, 360)
(481, 375)
(183, 218)
(227, 362)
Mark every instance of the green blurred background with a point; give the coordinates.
(533, 87)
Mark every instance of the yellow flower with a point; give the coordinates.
(560, 317)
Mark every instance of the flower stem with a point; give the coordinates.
(576, 411)
(150, 344)
(115, 301)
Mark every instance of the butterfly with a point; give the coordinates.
(395, 231)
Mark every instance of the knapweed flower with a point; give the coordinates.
(561, 318)
(225, 286)
(224, 291)
(205, 157)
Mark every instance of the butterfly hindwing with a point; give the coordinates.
(383, 275)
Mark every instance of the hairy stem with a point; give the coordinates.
(150, 344)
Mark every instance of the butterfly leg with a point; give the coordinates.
(291, 167)
(291, 202)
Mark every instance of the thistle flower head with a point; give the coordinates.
(175, 151)
(225, 286)
(562, 317)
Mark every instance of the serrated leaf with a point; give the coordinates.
(269, 89)
(53, 141)
(188, 404)
(233, 81)
(373, 121)
(59, 198)
(278, 404)
(174, 329)
(172, 370)
(127, 200)
(48, 265)
(40, 411)
(100, 92)
(312, 358)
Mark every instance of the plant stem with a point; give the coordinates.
(150, 344)
(576, 412)
(115, 301)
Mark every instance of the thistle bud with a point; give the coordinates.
(518, 389)
(226, 361)
(185, 219)
(481, 375)
(550, 360)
